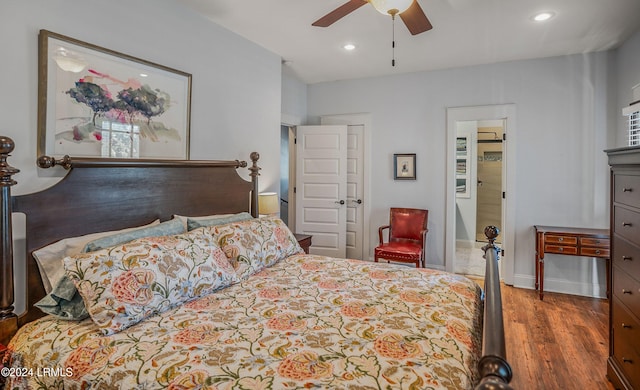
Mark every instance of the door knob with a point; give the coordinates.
(359, 201)
(341, 201)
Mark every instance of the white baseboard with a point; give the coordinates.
(562, 286)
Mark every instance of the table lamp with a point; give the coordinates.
(268, 204)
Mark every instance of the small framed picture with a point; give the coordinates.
(404, 166)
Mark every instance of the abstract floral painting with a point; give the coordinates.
(95, 102)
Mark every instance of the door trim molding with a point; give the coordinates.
(365, 120)
(498, 111)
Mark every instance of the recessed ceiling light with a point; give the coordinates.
(349, 46)
(543, 16)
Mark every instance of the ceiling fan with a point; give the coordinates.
(409, 10)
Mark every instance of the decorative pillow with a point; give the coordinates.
(168, 228)
(125, 284)
(64, 301)
(184, 218)
(255, 244)
(194, 223)
(49, 258)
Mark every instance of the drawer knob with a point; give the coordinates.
(560, 239)
(625, 360)
(627, 258)
(626, 326)
(625, 291)
(626, 224)
(560, 249)
(627, 189)
(597, 251)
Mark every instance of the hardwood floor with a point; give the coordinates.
(559, 343)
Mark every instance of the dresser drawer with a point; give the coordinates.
(626, 289)
(626, 189)
(625, 326)
(563, 250)
(627, 224)
(562, 240)
(627, 256)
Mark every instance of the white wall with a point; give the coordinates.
(294, 98)
(562, 177)
(236, 93)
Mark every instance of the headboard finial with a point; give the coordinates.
(8, 319)
(6, 171)
(6, 145)
(48, 162)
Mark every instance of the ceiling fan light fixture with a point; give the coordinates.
(391, 7)
(543, 16)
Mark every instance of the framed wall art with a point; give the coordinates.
(404, 166)
(95, 102)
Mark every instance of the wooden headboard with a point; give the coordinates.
(109, 194)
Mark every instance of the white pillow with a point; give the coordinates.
(49, 258)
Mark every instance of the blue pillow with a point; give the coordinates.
(168, 228)
(64, 301)
(213, 221)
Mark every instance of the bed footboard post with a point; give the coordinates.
(495, 371)
(255, 172)
(8, 319)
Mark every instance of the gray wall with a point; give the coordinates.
(236, 94)
(562, 128)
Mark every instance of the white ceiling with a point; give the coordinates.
(465, 32)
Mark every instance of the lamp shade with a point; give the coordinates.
(268, 203)
(391, 7)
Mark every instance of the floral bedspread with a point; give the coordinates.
(306, 322)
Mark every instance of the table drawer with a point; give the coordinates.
(597, 242)
(626, 289)
(563, 240)
(594, 252)
(560, 249)
(627, 224)
(626, 256)
(626, 189)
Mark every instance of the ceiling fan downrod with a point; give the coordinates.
(393, 36)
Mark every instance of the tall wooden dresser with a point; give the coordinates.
(623, 365)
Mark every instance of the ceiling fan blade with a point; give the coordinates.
(415, 19)
(339, 13)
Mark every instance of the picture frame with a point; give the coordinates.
(95, 102)
(404, 166)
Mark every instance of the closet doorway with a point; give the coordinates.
(352, 241)
(479, 188)
(467, 182)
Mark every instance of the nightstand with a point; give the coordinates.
(304, 240)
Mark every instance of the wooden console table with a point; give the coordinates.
(570, 241)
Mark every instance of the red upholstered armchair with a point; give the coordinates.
(407, 237)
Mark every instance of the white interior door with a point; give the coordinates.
(321, 187)
(355, 191)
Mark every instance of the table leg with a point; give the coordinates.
(541, 278)
(537, 260)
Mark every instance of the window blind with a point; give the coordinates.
(634, 128)
(633, 113)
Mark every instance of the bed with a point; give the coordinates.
(228, 302)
